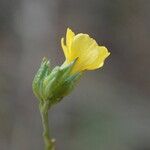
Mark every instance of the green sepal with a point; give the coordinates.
(52, 85)
(68, 84)
(37, 84)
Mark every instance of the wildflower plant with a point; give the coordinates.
(50, 85)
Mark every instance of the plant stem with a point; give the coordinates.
(49, 143)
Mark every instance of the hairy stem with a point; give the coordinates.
(49, 143)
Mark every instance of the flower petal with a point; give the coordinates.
(93, 60)
(65, 49)
(81, 45)
(102, 55)
(69, 37)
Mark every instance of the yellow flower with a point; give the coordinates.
(89, 54)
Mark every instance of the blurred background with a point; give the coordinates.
(110, 107)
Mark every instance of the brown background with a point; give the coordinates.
(110, 107)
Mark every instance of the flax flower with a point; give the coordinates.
(51, 85)
(85, 49)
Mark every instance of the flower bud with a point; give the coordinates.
(52, 85)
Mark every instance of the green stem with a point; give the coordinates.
(49, 143)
